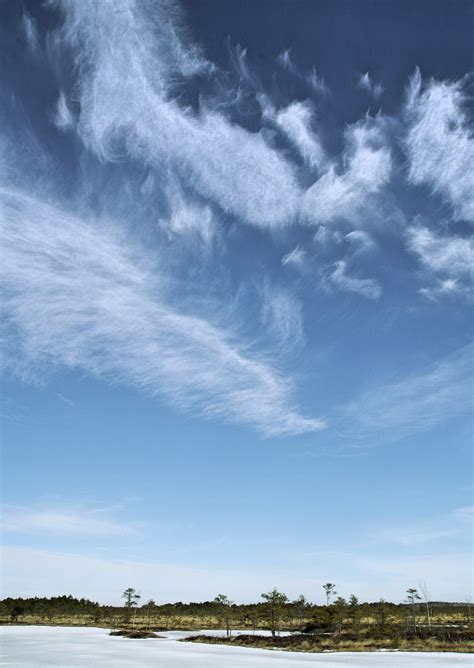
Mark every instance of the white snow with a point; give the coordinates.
(48, 647)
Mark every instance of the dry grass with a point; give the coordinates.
(314, 644)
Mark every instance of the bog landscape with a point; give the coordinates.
(236, 254)
(275, 622)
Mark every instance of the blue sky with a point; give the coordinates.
(236, 273)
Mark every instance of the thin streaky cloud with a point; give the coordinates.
(64, 519)
(76, 299)
(294, 257)
(282, 317)
(441, 289)
(361, 241)
(285, 61)
(340, 278)
(317, 83)
(30, 570)
(30, 32)
(454, 524)
(415, 402)
(366, 83)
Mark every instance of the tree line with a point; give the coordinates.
(275, 612)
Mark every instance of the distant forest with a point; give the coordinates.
(274, 612)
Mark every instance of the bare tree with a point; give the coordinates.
(468, 609)
(427, 600)
(412, 598)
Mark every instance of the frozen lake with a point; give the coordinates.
(42, 646)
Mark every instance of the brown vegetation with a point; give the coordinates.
(134, 633)
(310, 643)
(339, 625)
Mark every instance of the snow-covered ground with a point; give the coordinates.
(41, 646)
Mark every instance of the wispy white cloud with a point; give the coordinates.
(444, 254)
(188, 219)
(368, 169)
(282, 316)
(285, 61)
(439, 143)
(394, 556)
(360, 240)
(453, 525)
(295, 257)
(414, 402)
(36, 572)
(75, 298)
(64, 519)
(63, 118)
(317, 83)
(296, 121)
(327, 235)
(447, 258)
(247, 74)
(448, 287)
(64, 399)
(30, 32)
(126, 88)
(127, 62)
(451, 573)
(366, 83)
(339, 278)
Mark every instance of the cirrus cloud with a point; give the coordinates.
(74, 298)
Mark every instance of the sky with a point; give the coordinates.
(236, 270)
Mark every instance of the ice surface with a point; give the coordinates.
(41, 646)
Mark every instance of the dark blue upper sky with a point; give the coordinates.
(341, 38)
